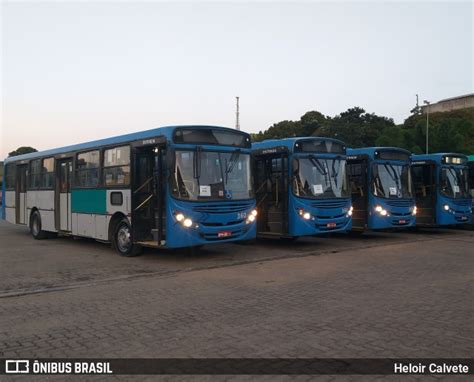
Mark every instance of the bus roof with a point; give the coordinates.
(288, 142)
(436, 156)
(166, 131)
(371, 150)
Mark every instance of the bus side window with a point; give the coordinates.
(35, 174)
(87, 169)
(117, 166)
(47, 173)
(10, 176)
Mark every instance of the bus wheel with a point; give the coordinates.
(123, 241)
(35, 227)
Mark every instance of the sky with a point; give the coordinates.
(79, 71)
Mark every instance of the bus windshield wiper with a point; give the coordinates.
(317, 163)
(197, 164)
(335, 173)
(393, 174)
(232, 162)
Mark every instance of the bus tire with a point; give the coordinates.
(35, 227)
(122, 241)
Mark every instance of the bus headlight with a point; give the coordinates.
(349, 213)
(251, 218)
(304, 214)
(446, 207)
(381, 211)
(413, 212)
(254, 213)
(185, 221)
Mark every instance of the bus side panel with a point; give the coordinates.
(89, 201)
(43, 200)
(92, 210)
(9, 202)
(91, 225)
(101, 224)
(124, 207)
(85, 205)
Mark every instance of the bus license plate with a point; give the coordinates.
(402, 222)
(331, 225)
(224, 233)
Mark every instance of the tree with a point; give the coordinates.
(451, 131)
(309, 124)
(357, 128)
(283, 129)
(22, 150)
(448, 131)
(312, 122)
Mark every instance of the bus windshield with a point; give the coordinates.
(391, 180)
(320, 178)
(212, 175)
(454, 182)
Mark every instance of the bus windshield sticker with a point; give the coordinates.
(317, 189)
(393, 191)
(204, 190)
(456, 189)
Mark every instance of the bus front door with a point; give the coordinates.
(424, 183)
(272, 194)
(20, 194)
(148, 192)
(63, 201)
(358, 170)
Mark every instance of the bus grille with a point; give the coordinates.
(400, 203)
(329, 204)
(215, 224)
(320, 216)
(403, 214)
(223, 208)
(462, 203)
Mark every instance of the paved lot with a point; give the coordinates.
(379, 295)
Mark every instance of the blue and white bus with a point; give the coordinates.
(442, 191)
(170, 187)
(381, 188)
(301, 187)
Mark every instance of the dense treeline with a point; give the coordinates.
(448, 131)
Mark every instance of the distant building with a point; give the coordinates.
(449, 104)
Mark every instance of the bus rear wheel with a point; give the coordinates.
(35, 227)
(123, 241)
